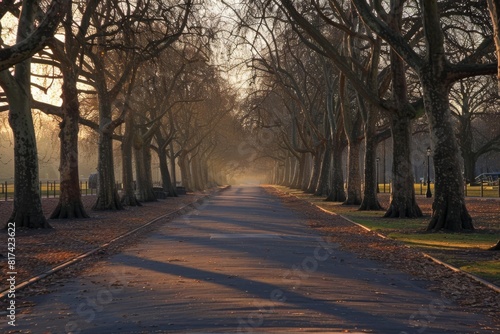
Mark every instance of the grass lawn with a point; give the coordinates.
(467, 251)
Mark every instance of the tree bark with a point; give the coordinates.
(128, 197)
(448, 209)
(353, 173)
(185, 172)
(322, 187)
(494, 9)
(370, 199)
(166, 181)
(337, 192)
(144, 181)
(313, 181)
(27, 212)
(70, 200)
(107, 195)
(299, 172)
(403, 203)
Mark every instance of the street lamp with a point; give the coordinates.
(376, 172)
(429, 193)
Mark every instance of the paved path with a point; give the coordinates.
(242, 263)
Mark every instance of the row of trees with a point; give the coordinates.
(332, 75)
(142, 72)
(327, 76)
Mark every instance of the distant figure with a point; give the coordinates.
(93, 181)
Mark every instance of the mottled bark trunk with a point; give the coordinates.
(337, 192)
(316, 169)
(465, 140)
(403, 203)
(287, 172)
(353, 174)
(144, 180)
(166, 181)
(27, 212)
(370, 199)
(196, 175)
(322, 187)
(299, 172)
(185, 172)
(107, 195)
(448, 209)
(306, 175)
(70, 201)
(173, 169)
(128, 197)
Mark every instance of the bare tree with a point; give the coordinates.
(436, 75)
(27, 211)
(119, 32)
(34, 41)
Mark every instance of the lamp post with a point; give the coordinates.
(429, 193)
(376, 172)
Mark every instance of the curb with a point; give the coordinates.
(183, 210)
(435, 260)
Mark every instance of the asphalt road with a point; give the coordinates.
(242, 263)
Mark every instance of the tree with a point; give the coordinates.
(436, 75)
(34, 41)
(473, 105)
(68, 53)
(27, 212)
(131, 33)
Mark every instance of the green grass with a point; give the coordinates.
(446, 240)
(486, 269)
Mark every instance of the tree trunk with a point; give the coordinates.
(173, 169)
(448, 209)
(287, 172)
(306, 175)
(337, 192)
(403, 203)
(144, 181)
(27, 212)
(70, 201)
(185, 172)
(353, 174)
(322, 187)
(370, 200)
(313, 181)
(196, 176)
(107, 195)
(128, 197)
(465, 140)
(166, 182)
(299, 172)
